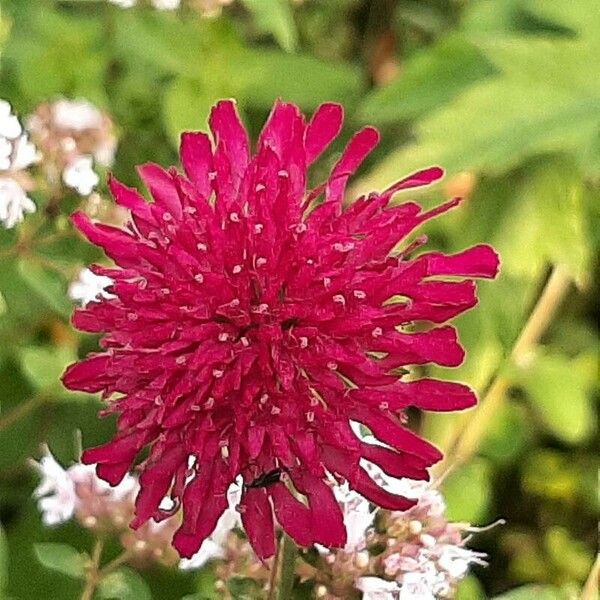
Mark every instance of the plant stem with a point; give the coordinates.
(287, 567)
(113, 564)
(21, 411)
(473, 427)
(590, 589)
(283, 569)
(93, 573)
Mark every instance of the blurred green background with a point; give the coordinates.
(505, 94)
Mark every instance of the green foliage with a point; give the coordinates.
(62, 559)
(124, 584)
(503, 93)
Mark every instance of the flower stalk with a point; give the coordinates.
(467, 439)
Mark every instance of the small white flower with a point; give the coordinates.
(124, 3)
(455, 560)
(56, 494)
(166, 4)
(77, 115)
(374, 588)
(88, 287)
(25, 153)
(80, 175)
(358, 517)
(416, 586)
(9, 123)
(14, 203)
(6, 149)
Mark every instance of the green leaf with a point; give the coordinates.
(559, 392)
(47, 284)
(187, 105)
(549, 221)
(468, 492)
(243, 588)
(62, 558)
(265, 75)
(546, 99)
(3, 563)
(428, 80)
(527, 592)
(124, 584)
(43, 367)
(275, 17)
(470, 589)
(508, 435)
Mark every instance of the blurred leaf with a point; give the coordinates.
(43, 367)
(527, 592)
(559, 393)
(428, 80)
(470, 589)
(50, 286)
(124, 584)
(468, 492)
(244, 588)
(46, 68)
(3, 563)
(186, 107)
(62, 558)
(275, 17)
(546, 99)
(548, 224)
(570, 555)
(508, 435)
(266, 75)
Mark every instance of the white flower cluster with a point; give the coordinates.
(58, 496)
(432, 560)
(78, 492)
(72, 135)
(207, 8)
(16, 154)
(158, 4)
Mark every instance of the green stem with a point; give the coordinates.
(93, 573)
(472, 428)
(287, 567)
(20, 412)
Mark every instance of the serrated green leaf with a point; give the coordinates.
(546, 99)
(124, 584)
(468, 492)
(547, 224)
(44, 365)
(50, 286)
(558, 391)
(428, 80)
(275, 17)
(62, 558)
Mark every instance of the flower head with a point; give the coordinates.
(253, 322)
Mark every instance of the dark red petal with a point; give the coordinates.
(359, 147)
(257, 518)
(88, 375)
(292, 515)
(162, 187)
(197, 160)
(324, 127)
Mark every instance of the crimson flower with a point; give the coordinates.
(251, 324)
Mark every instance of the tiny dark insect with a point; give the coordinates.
(266, 479)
